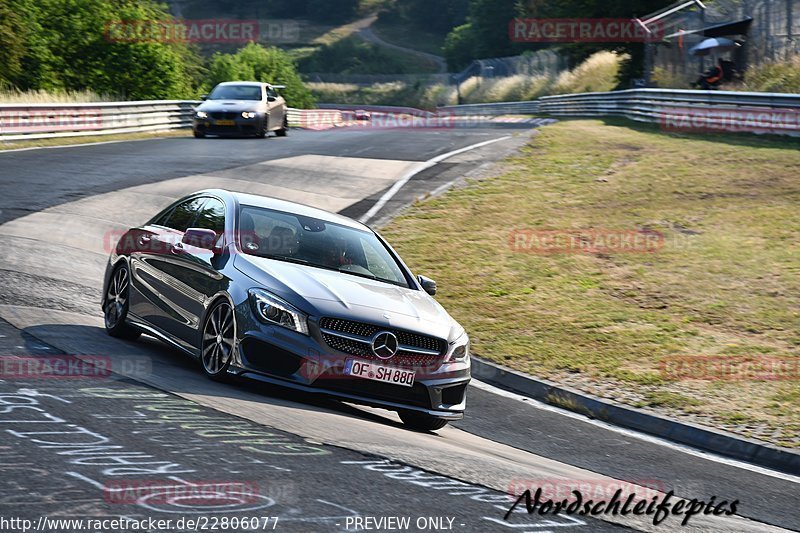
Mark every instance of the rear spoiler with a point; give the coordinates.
(278, 86)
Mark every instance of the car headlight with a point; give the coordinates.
(201, 114)
(273, 310)
(458, 349)
(248, 114)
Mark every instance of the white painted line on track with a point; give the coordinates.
(388, 195)
(635, 434)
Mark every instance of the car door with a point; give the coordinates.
(276, 107)
(155, 243)
(169, 302)
(191, 275)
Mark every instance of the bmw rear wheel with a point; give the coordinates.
(284, 129)
(219, 341)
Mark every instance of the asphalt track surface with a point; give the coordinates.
(313, 463)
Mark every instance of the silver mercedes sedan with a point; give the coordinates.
(293, 296)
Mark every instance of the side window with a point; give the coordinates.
(183, 214)
(163, 218)
(272, 92)
(211, 216)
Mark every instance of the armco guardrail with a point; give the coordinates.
(42, 121)
(682, 110)
(530, 107)
(674, 109)
(46, 121)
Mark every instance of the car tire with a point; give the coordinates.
(421, 421)
(284, 131)
(218, 340)
(199, 135)
(264, 131)
(117, 301)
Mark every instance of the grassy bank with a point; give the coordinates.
(724, 282)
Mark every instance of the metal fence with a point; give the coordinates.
(45, 121)
(688, 110)
(49, 121)
(530, 107)
(713, 110)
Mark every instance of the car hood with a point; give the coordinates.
(229, 105)
(321, 292)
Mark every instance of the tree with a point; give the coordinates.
(67, 47)
(484, 35)
(256, 63)
(12, 49)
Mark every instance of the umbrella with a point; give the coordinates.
(715, 43)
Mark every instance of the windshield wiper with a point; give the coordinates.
(286, 258)
(372, 277)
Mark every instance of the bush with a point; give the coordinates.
(599, 73)
(256, 63)
(783, 77)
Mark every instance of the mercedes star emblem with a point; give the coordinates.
(385, 345)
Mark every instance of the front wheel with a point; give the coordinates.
(219, 341)
(284, 129)
(115, 309)
(421, 421)
(264, 129)
(199, 135)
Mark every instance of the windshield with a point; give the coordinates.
(236, 92)
(310, 241)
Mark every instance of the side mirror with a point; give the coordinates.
(203, 97)
(271, 98)
(200, 238)
(428, 285)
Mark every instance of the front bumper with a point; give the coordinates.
(230, 126)
(278, 356)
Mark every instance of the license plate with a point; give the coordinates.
(384, 374)
(226, 123)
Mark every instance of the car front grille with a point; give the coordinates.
(224, 115)
(355, 338)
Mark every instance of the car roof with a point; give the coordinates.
(276, 204)
(251, 83)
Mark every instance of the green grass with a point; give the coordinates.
(726, 281)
